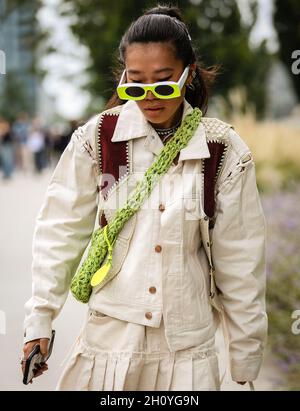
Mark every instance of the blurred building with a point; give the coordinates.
(17, 41)
(281, 95)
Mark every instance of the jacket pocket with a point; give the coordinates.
(106, 334)
(192, 209)
(97, 314)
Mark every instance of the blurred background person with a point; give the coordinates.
(20, 130)
(62, 141)
(6, 149)
(48, 146)
(37, 146)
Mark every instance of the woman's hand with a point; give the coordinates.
(28, 347)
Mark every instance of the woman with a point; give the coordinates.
(153, 325)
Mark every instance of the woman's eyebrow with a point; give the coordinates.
(156, 71)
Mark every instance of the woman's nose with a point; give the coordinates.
(149, 95)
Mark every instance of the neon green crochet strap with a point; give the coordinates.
(102, 272)
(91, 273)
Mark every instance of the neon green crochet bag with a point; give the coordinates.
(91, 273)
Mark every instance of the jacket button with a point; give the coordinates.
(161, 207)
(152, 290)
(148, 316)
(158, 248)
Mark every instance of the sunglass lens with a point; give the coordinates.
(134, 91)
(164, 90)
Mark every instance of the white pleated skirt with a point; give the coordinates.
(115, 355)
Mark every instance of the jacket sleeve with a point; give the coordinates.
(63, 229)
(238, 251)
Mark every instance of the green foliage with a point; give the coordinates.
(18, 92)
(283, 285)
(14, 98)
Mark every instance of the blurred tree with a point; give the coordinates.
(222, 38)
(14, 98)
(287, 25)
(215, 27)
(19, 36)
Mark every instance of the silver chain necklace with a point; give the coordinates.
(164, 133)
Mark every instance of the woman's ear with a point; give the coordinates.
(191, 76)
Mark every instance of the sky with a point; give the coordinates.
(65, 68)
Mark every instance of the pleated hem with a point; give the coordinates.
(89, 369)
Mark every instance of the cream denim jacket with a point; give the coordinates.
(159, 257)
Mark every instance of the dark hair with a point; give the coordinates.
(165, 24)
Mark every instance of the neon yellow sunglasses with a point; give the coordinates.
(161, 89)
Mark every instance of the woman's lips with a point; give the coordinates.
(153, 109)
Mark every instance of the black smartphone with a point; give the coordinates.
(35, 357)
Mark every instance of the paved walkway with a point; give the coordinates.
(20, 201)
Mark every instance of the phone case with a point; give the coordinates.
(36, 357)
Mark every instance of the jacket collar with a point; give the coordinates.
(132, 124)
